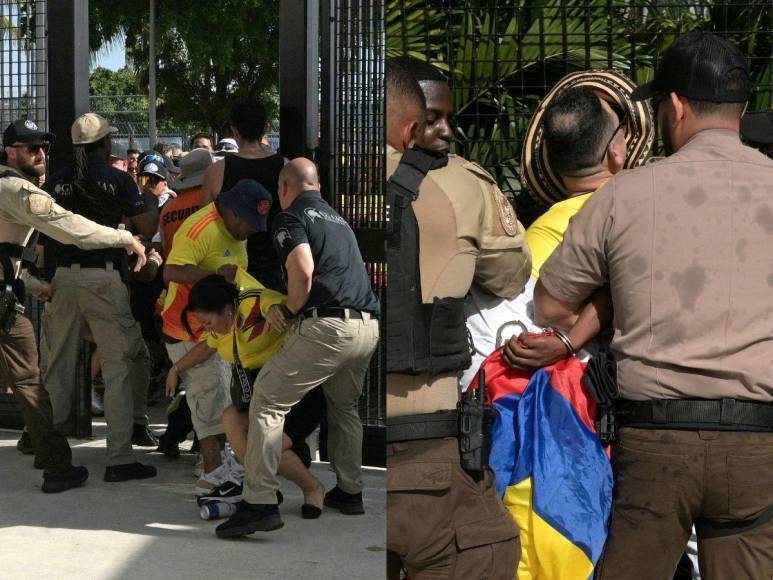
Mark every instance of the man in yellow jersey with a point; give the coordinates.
(585, 142)
(210, 240)
(576, 129)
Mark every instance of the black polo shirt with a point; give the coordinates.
(118, 196)
(340, 278)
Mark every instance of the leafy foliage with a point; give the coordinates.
(502, 57)
(208, 53)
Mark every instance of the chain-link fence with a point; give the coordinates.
(23, 61)
(502, 57)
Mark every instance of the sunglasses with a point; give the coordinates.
(623, 116)
(33, 148)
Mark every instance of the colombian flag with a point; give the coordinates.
(552, 472)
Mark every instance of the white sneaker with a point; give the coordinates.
(215, 478)
(236, 468)
(97, 409)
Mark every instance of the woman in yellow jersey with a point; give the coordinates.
(224, 308)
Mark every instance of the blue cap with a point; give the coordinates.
(250, 201)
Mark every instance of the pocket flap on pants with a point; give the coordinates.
(485, 532)
(425, 476)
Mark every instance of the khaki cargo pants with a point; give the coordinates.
(666, 480)
(97, 301)
(441, 523)
(331, 352)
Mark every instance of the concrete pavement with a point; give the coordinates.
(151, 529)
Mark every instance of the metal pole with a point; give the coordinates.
(152, 77)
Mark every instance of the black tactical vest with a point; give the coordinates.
(421, 338)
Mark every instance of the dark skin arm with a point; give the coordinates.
(537, 352)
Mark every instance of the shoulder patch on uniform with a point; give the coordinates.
(40, 203)
(506, 212)
(479, 172)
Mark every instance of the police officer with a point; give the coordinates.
(442, 522)
(22, 208)
(684, 244)
(88, 293)
(332, 314)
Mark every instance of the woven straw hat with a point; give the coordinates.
(538, 178)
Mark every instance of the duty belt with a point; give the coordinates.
(332, 312)
(708, 414)
(425, 426)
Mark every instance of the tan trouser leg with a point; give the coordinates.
(317, 350)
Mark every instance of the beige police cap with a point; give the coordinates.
(89, 128)
(539, 179)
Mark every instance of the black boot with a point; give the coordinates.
(25, 444)
(129, 471)
(347, 503)
(56, 481)
(251, 518)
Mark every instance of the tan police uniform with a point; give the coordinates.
(23, 208)
(441, 522)
(685, 246)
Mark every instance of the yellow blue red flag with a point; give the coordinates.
(552, 472)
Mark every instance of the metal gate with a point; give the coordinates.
(23, 61)
(502, 57)
(352, 151)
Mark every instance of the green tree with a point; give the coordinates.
(105, 82)
(208, 53)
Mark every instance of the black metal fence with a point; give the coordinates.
(352, 148)
(23, 61)
(502, 57)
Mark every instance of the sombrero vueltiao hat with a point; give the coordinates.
(538, 178)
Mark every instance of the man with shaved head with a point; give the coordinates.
(330, 317)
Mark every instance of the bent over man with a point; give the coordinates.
(332, 315)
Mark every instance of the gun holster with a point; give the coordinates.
(600, 380)
(10, 306)
(476, 418)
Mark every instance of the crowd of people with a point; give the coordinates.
(660, 265)
(219, 276)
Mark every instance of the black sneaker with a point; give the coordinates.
(57, 481)
(250, 518)
(347, 503)
(129, 471)
(24, 444)
(228, 492)
(142, 436)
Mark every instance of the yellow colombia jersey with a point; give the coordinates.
(255, 346)
(202, 241)
(547, 231)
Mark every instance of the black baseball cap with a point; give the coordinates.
(758, 127)
(698, 66)
(25, 131)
